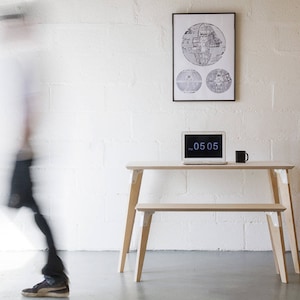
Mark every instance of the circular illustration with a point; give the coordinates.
(218, 80)
(189, 81)
(203, 44)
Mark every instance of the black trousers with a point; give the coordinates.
(21, 196)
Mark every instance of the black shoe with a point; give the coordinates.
(44, 289)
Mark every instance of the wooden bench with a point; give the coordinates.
(273, 217)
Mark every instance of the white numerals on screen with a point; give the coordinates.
(202, 146)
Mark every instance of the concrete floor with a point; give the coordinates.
(176, 275)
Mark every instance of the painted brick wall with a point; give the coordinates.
(108, 100)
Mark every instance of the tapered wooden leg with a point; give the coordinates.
(136, 181)
(143, 245)
(286, 200)
(273, 180)
(273, 244)
(276, 233)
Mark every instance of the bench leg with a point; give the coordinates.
(147, 218)
(276, 233)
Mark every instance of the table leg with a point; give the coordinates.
(136, 181)
(274, 185)
(282, 189)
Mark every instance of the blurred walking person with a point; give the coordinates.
(18, 83)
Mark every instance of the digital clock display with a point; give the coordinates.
(203, 146)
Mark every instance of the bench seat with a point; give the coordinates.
(209, 207)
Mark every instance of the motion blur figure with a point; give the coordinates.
(19, 83)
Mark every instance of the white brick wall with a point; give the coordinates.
(108, 101)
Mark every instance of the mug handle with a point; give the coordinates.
(246, 156)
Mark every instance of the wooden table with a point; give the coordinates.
(279, 183)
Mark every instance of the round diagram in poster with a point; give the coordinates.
(189, 81)
(203, 44)
(218, 81)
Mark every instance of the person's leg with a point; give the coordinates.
(54, 267)
(56, 283)
(56, 280)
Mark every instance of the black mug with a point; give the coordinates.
(241, 156)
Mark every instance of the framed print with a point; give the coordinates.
(203, 56)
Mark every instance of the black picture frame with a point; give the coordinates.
(203, 56)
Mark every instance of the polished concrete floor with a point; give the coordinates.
(176, 275)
